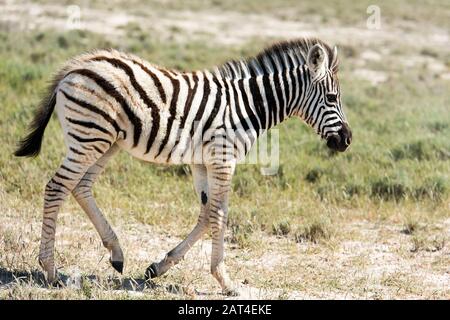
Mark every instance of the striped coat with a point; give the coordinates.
(109, 100)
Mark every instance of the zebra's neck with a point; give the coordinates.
(273, 85)
(260, 102)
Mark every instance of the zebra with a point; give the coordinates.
(108, 100)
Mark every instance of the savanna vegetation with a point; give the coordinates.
(390, 190)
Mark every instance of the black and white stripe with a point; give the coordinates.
(108, 100)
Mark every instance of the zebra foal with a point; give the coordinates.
(109, 100)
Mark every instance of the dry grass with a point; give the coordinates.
(371, 223)
(362, 259)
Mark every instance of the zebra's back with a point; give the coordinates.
(155, 114)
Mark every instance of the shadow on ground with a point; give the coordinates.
(9, 278)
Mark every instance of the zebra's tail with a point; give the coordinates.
(30, 146)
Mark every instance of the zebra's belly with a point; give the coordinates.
(182, 152)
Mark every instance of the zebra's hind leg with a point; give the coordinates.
(60, 185)
(83, 195)
(174, 256)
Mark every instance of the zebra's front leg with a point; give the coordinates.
(175, 255)
(83, 195)
(219, 181)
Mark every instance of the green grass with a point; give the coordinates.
(400, 151)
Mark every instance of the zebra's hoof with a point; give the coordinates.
(58, 283)
(230, 292)
(151, 272)
(54, 280)
(50, 274)
(118, 265)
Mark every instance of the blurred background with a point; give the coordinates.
(373, 222)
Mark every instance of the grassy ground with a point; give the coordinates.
(371, 223)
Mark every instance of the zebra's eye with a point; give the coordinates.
(331, 97)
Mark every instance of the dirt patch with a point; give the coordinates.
(374, 77)
(369, 261)
(226, 27)
(235, 28)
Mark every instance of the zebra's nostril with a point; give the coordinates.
(347, 141)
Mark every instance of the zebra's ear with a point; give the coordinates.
(317, 61)
(335, 61)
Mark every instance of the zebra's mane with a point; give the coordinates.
(283, 54)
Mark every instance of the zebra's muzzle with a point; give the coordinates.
(341, 140)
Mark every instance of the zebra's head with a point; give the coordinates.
(322, 109)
